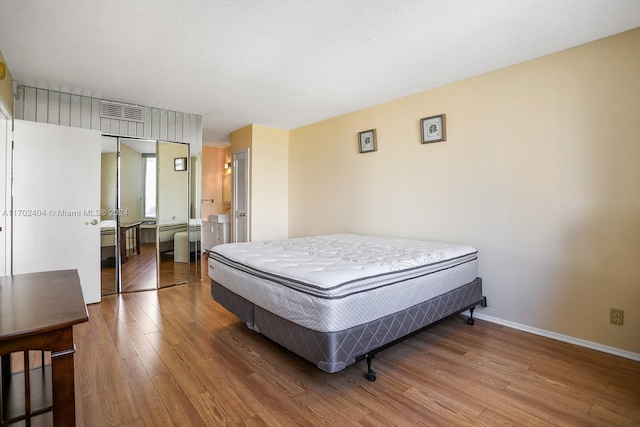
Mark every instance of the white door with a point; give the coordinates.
(240, 200)
(56, 209)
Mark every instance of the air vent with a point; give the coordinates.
(112, 110)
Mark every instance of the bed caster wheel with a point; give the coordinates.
(471, 321)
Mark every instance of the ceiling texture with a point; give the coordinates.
(284, 63)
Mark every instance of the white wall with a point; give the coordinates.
(65, 109)
(539, 172)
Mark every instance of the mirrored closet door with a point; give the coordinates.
(109, 268)
(174, 246)
(137, 215)
(128, 215)
(150, 228)
(128, 205)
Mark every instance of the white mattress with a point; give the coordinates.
(335, 282)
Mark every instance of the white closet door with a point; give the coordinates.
(240, 199)
(56, 199)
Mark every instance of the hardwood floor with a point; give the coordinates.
(176, 357)
(139, 271)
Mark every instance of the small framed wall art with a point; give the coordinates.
(433, 129)
(367, 141)
(180, 164)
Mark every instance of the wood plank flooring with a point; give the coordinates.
(176, 357)
(139, 271)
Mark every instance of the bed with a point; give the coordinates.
(338, 299)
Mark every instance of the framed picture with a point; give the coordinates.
(180, 164)
(367, 141)
(433, 129)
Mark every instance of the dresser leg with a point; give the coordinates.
(62, 379)
(5, 373)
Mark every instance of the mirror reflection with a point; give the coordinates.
(108, 205)
(137, 215)
(150, 222)
(195, 222)
(174, 240)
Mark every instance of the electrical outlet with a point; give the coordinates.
(617, 316)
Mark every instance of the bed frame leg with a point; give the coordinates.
(470, 319)
(371, 374)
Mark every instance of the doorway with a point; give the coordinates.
(149, 238)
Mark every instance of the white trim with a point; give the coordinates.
(4, 109)
(560, 337)
(6, 143)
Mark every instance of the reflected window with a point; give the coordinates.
(149, 186)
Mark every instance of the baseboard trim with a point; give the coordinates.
(560, 337)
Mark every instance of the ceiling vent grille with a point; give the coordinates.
(112, 110)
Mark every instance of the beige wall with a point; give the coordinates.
(131, 184)
(540, 172)
(213, 159)
(242, 138)
(173, 186)
(268, 181)
(108, 183)
(5, 87)
(227, 184)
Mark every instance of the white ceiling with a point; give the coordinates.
(284, 63)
